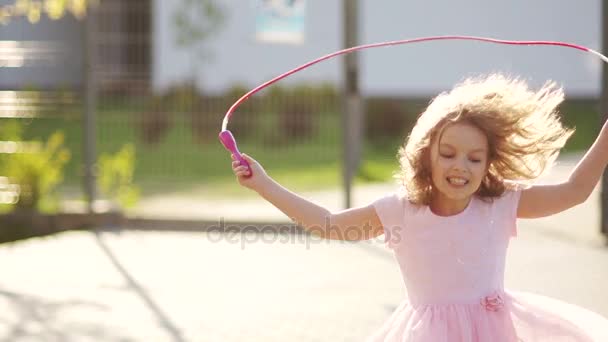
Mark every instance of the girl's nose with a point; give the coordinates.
(460, 165)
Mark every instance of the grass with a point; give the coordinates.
(179, 162)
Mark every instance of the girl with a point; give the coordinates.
(450, 222)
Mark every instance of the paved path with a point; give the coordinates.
(177, 286)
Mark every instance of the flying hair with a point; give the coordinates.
(523, 128)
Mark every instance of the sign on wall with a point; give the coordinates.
(280, 21)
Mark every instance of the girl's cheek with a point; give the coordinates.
(480, 170)
(443, 164)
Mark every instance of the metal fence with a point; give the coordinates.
(291, 130)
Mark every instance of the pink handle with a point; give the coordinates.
(229, 143)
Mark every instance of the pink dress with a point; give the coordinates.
(453, 269)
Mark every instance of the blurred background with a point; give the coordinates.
(110, 111)
(156, 78)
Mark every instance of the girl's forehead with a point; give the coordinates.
(463, 136)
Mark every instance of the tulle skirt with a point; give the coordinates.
(513, 316)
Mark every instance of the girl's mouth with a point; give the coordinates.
(457, 181)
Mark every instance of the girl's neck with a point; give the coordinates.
(443, 206)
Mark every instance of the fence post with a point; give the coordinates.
(90, 105)
(604, 115)
(352, 113)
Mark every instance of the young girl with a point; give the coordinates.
(463, 184)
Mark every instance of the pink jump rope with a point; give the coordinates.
(227, 138)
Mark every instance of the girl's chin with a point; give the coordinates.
(457, 197)
(457, 193)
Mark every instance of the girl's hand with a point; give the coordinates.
(255, 182)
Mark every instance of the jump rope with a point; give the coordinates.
(227, 139)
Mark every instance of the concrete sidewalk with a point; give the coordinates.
(186, 286)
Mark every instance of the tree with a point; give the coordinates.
(195, 21)
(54, 9)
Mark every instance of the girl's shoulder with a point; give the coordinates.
(512, 193)
(395, 204)
(515, 186)
(504, 208)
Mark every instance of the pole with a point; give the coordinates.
(603, 114)
(351, 106)
(90, 104)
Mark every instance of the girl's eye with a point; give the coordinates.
(475, 160)
(446, 156)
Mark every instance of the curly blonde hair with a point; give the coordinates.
(522, 126)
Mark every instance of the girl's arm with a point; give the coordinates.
(353, 224)
(545, 200)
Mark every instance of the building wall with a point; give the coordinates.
(52, 51)
(45, 55)
(420, 69)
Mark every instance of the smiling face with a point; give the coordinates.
(459, 160)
